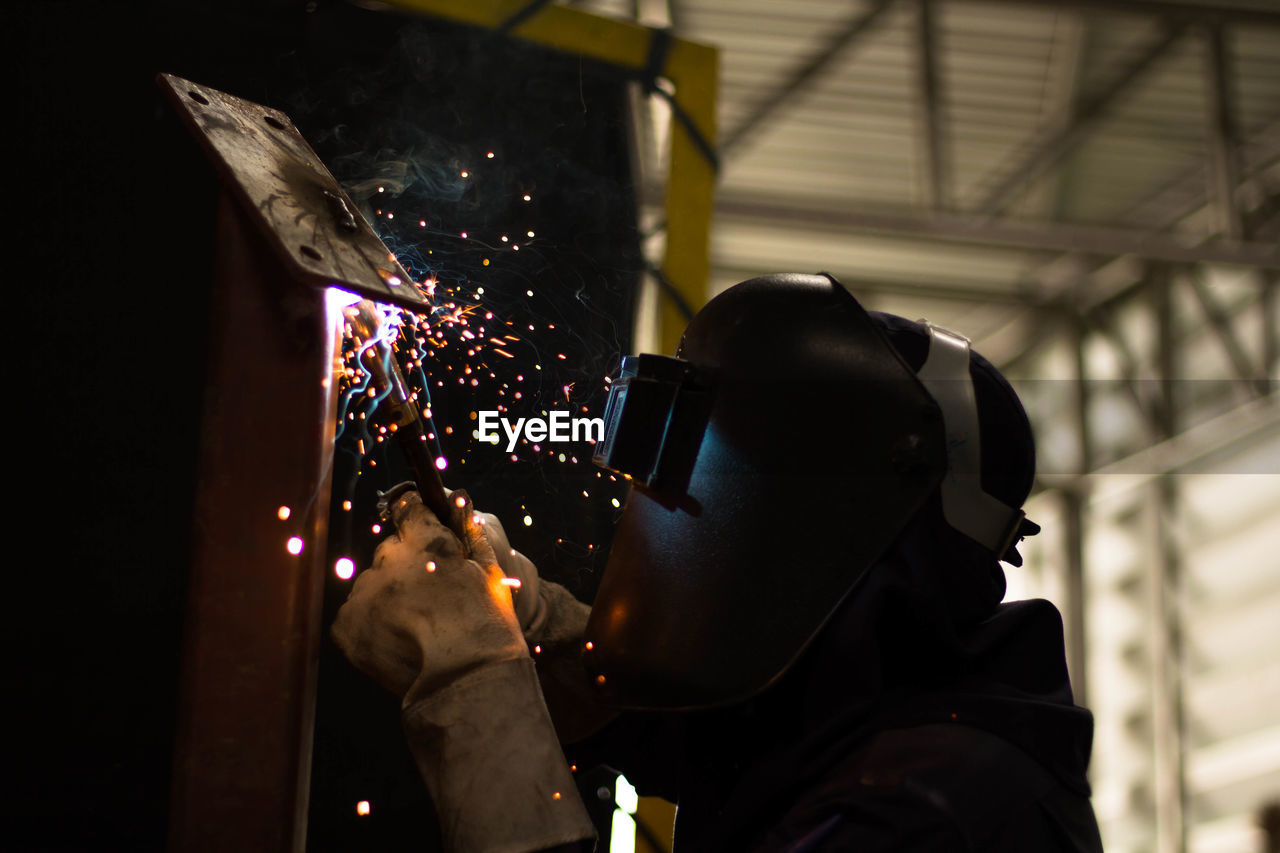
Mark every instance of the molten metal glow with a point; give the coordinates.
(514, 583)
(283, 513)
(363, 808)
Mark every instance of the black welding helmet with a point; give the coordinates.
(785, 414)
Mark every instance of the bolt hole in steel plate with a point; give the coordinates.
(264, 161)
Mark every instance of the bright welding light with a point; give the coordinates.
(294, 545)
(336, 297)
(344, 568)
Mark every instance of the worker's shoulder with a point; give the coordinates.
(942, 787)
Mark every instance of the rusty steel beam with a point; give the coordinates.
(252, 636)
(286, 233)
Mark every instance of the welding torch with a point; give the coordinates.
(407, 423)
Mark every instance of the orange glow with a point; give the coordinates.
(556, 795)
(599, 679)
(431, 565)
(283, 513)
(363, 808)
(590, 645)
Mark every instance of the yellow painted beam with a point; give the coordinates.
(691, 67)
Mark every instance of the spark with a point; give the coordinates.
(363, 808)
(283, 513)
(344, 568)
(528, 521)
(514, 583)
(294, 545)
(431, 565)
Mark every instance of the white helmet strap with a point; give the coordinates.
(965, 505)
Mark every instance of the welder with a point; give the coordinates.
(799, 634)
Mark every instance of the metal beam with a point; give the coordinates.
(1270, 347)
(1223, 144)
(1221, 325)
(1165, 595)
(1250, 12)
(937, 159)
(1002, 234)
(1053, 144)
(1075, 507)
(1080, 40)
(957, 292)
(1100, 322)
(802, 77)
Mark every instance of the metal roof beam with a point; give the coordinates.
(1253, 12)
(1220, 322)
(1223, 142)
(937, 159)
(1000, 234)
(814, 66)
(1053, 144)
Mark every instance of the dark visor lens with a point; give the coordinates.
(654, 420)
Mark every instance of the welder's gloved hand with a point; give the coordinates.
(432, 607)
(433, 622)
(552, 621)
(531, 607)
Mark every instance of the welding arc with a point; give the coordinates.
(410, 428)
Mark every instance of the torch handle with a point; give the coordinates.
(411, 430)
(423, 468)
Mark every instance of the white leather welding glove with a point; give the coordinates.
(432, 622)
(552, 621)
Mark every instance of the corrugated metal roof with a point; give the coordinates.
(854, 137)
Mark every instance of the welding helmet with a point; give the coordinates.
(785, 396)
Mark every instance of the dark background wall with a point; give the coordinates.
(114, 237)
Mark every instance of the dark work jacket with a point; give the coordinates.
(924, 716)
